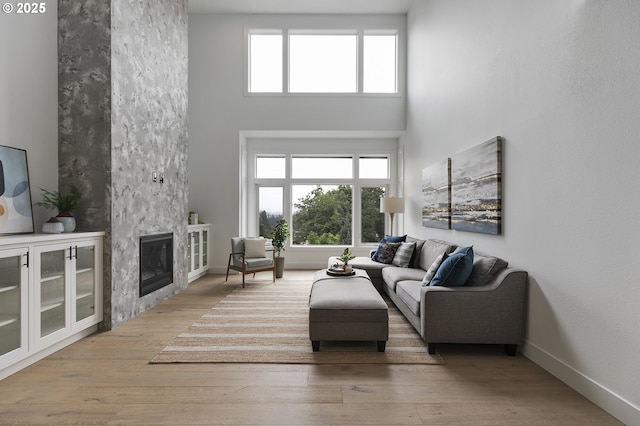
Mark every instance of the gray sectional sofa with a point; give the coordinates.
(489, 308)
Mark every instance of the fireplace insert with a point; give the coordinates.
(156, 262)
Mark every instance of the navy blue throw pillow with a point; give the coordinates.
(388, 239)
(455, 269)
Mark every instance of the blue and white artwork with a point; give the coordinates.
(15, 197)
(476, 188)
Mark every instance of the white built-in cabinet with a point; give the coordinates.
(50, 294)
(198, 250)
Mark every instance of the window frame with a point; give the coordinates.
(356, 148)
(360, 30)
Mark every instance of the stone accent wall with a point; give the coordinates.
(123, 116)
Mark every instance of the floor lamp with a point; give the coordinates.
(391, 205)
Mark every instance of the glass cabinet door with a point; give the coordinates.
(52, 291)
(196, 250)
(205, 248)
(189, 244)
(85, 289)
(13, 272)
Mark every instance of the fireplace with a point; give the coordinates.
(156, 262)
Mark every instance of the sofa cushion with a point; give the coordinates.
(431, 250)
(392, 274)
(387, 252)
(409, 293)
(415, 258)
(484, 269)
(403, 255)
(388, 239)
(431, 272)
(455, 269)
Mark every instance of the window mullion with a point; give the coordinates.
(285, 60)
(360, 62)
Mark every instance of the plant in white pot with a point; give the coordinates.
(63, 203)
(345, 257)
(280, 235)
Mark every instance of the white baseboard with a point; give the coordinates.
(615, 405)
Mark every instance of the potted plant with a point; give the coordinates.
(280, 235)
(63, 203)
(345, 257)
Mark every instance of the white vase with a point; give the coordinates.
(52, 226)
(68, 222)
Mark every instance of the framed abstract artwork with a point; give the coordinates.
(436, 195)
(16, 216)
(476, 188)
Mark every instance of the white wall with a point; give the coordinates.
(29, 96)
(559, 81)
(219, 111)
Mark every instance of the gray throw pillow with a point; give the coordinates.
(403, 255)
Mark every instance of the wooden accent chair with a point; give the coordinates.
(249, 255)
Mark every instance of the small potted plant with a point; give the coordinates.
(63, 203)
(345, 257)
(280, 235)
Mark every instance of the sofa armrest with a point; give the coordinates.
(493, 313)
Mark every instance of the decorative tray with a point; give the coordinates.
(339, 272)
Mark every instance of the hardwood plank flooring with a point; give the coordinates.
(106, 379)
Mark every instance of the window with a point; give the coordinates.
(321, 167)
(265, 62)
(371, 220)
(380, 59)
(270, 167)
(328, 200)
(374, 168)
(323, 61)
(270, 200)
(322, 214)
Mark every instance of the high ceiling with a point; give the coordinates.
(300, 6)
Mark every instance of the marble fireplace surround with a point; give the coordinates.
(123, 116)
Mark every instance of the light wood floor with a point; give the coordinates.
(106, 379)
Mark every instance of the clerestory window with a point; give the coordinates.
(327, 61)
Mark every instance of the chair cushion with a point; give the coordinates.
(258, 263)
(254, 247)
(455, 269)
(237, 245)
(403, 255)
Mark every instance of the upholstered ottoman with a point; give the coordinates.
(346, 309)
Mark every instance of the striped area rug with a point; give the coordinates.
(268, 323)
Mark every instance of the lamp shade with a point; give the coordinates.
(392, 205)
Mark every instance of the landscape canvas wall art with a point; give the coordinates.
(476, 188)
(436, 195)
(15, 197)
